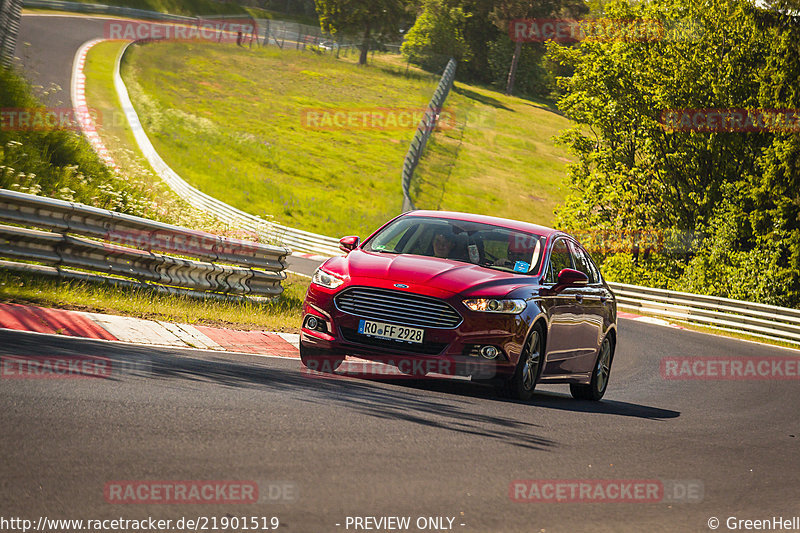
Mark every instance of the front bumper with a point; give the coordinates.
(444, 351)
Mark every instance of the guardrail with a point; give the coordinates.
(424, 130)
(10, 12)
(129, 245)
(755, 319)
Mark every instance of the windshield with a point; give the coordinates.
(469, 242)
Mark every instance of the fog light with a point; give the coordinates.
(312, 322)
(489, 352)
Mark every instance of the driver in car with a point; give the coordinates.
(443, 243)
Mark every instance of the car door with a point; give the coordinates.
(564, 312)
(593, 299)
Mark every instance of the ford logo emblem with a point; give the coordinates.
(401, 286)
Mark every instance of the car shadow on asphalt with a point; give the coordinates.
(452, 407)
(541, 399)
(565, 402)
(375, 398)
(457, 413)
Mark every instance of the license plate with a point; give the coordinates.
(390, 331)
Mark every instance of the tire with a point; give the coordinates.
(523, 381)
(318, 360)
(601, 373)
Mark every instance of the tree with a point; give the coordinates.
(478, 33)
(506, 11)
(436, 36)
(373, 19)
(730, 196)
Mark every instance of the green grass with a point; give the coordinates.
(61, 164)
(499, 159)
(117, 136)
(228, 120)
(112, 125)
(281, 314)
(260, 13)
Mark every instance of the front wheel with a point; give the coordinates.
(596, 388)
(319, 360)
(521, 384)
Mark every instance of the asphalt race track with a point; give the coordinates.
(47, 46)
(377, 448)
(355, 447)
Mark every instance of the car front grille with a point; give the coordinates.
(398, 307)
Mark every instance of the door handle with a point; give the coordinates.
(603, 299)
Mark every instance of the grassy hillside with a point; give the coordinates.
(499, 159)
(59, 163)
(230, 121)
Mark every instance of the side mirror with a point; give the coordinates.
(569, 277)
(348, 244)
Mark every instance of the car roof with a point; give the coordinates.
(485, 219)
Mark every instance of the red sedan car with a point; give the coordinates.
(457, 294)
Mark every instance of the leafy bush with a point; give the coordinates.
(737, 192)
(58, 163)
(532, 79)
(436, 37)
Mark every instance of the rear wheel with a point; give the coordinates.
(521, 384)
(595, 390)
(319, 360)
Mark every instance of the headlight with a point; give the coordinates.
(487, 305)
(326, 279)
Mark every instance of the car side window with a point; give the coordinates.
(560, 258)
(582, 263)
(597, 277)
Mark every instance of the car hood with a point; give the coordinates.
(420, 272)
